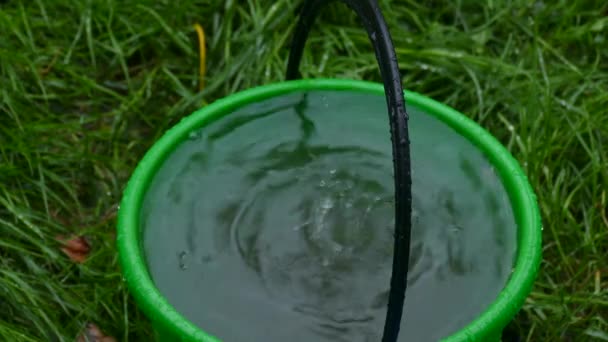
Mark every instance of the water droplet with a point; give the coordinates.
(322, 183)
(298, 227)
(325, 101)
(207, 258)
(332, 171)
(194, 135)
(454, 229)
(415, 213)
(183, 260)
(327, 203)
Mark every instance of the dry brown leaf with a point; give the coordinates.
(75, 247)
(92, 333)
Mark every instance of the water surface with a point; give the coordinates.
(275, 224)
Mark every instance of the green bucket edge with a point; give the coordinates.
(487, 326)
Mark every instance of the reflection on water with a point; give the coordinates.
(275, 223)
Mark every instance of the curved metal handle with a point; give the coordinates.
(373, 21)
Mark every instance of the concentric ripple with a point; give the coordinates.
(276, 223)
(333, 234)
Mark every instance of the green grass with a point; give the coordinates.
(87, 86)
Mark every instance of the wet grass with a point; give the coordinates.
(87, 86)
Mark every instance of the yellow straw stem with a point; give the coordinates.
(202, 56)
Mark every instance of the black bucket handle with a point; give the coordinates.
(373, 21)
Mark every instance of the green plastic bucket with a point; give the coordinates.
(171, 325)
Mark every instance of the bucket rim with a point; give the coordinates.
(488, 323)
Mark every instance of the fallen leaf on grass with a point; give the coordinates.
(92, 333)
(75, 247)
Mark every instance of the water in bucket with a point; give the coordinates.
(275, 223)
